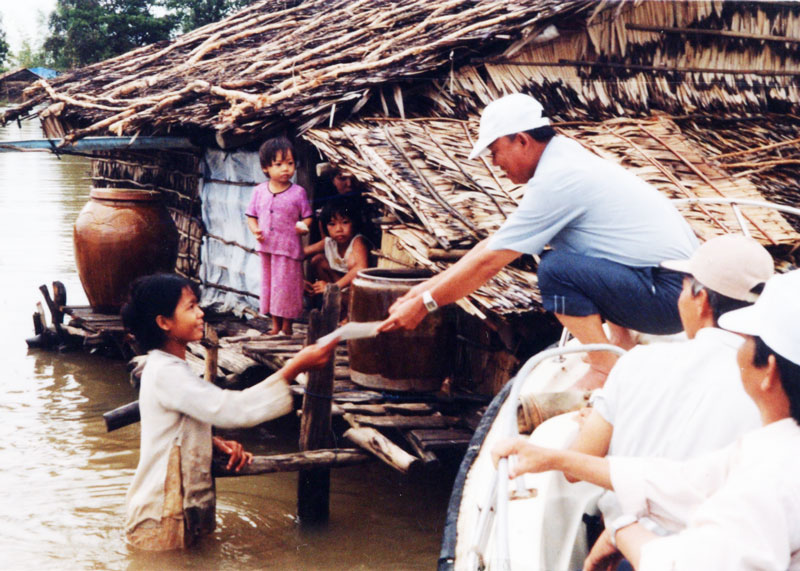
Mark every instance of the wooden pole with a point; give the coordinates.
(56, 317)
(313, 484)
(331, 458)
(122, 416)
(211, 344)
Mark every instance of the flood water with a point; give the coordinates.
(63, 479)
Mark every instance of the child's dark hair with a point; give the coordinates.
(271, 148)
(151, 296)
(343, 207)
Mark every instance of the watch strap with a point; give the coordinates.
(429, 302)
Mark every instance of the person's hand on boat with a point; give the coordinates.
(603, 556)
(406, 315)
(312, 357)
(529, 458)
(239, 458)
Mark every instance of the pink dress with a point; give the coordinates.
(281, 249)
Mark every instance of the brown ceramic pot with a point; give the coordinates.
(119, 235)
(417, 360)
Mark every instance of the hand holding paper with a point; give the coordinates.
(352, 330)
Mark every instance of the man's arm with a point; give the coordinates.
(459, 280)
(531, 458)
(594, 437)
(630, 541)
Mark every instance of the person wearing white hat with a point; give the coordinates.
(678, 400)
(608, 231)
(736, 508)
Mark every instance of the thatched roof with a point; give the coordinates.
(282, 62)
(699, 98)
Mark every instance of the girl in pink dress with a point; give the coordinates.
(278, 214)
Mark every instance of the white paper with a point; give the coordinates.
(352, 330)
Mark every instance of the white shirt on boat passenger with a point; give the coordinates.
(677, 400)
(741, 503)
(178, 407)
(580, 203)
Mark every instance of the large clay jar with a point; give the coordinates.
(119, 235)
(417, 360)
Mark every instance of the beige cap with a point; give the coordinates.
(775, 317)
(731, 265)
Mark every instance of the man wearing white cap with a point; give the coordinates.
(680, 400)
(607, 228)
(740, 506)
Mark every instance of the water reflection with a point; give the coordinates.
(63, 479)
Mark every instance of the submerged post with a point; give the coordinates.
(313, 485)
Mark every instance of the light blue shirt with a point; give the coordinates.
(580, 203)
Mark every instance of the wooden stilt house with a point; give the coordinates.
(699, 98)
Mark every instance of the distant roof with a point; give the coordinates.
(44, 72)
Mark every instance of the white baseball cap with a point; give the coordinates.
(775, 317)
(731, 265)
(508, 115)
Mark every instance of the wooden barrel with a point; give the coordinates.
(121, 234)
(417, 360)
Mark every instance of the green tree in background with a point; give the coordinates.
(3, 47)
(29, 55)
(86, 31)
(191, 14)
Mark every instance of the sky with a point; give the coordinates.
(22, 18)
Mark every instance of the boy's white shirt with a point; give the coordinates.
(178, 407)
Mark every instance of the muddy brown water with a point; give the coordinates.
(63, 478)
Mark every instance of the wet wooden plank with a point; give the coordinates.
(410, 408)
(439, 439)
(228, 358)
(428, 457)
(384, 449)
(406, 422)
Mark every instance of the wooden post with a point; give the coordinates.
(59, 299)
(56, 316)
(211, 344)
(313, 485)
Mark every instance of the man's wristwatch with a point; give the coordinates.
(430, 303)
(617, 524)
